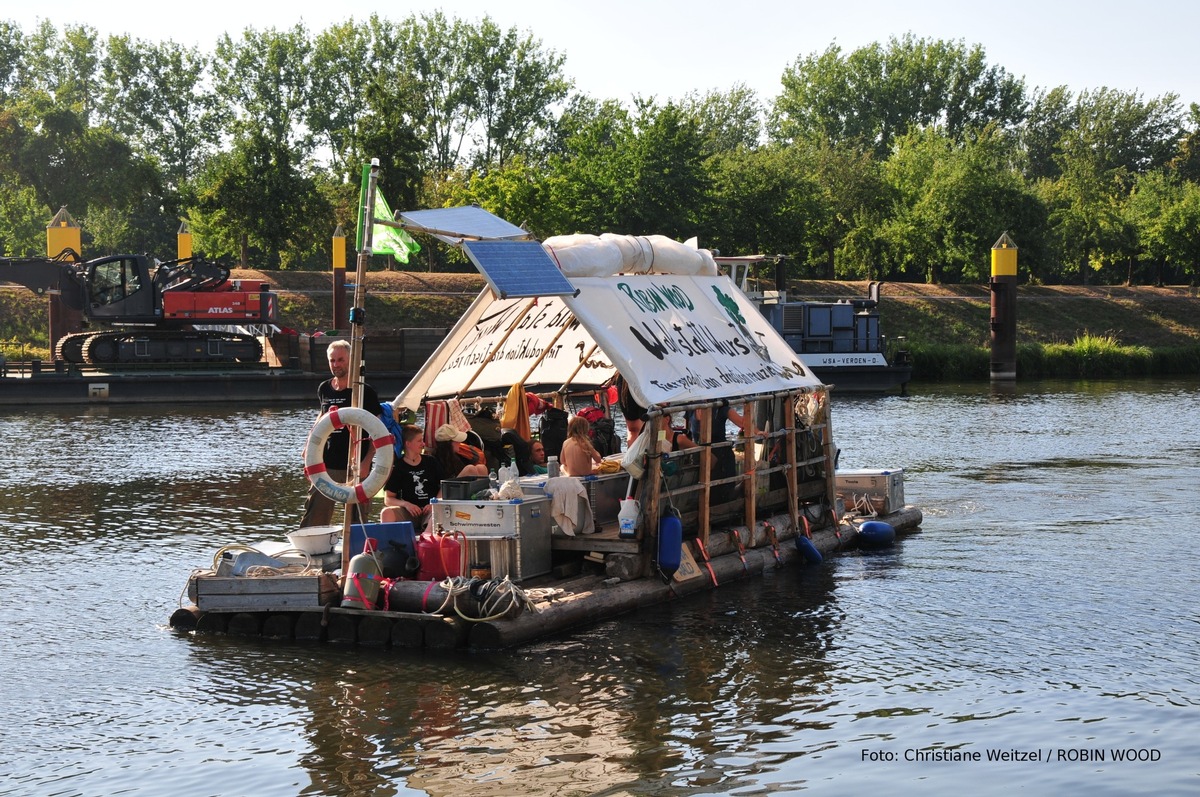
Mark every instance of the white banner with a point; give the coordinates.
(686, 338)
(546, 333)
(675, 339)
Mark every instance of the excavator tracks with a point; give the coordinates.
(169, 347)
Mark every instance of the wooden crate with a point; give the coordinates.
(261, 594)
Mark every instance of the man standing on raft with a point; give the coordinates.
(338, 392)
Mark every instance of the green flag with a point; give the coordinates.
(384, 240)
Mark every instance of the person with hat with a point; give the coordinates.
(455, 457)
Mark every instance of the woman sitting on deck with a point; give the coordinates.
(579, 456)
(455, 458)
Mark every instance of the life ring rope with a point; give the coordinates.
(314, 454)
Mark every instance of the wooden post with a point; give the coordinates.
(825, 418)
(706, 460)
(357, 334)
(183, 241)
(339, 278)
(1004, 309)
(789, 409)
(652, 485)
(62, 233)
(749, 462)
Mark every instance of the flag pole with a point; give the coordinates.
(357, 335)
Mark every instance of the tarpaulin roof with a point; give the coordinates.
(675, 339)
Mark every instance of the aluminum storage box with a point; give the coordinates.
(604, 493)
(884, 489)
(513, 537)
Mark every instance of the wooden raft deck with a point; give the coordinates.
(558, 605)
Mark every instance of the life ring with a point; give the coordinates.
(314, 455)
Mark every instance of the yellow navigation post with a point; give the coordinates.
(1004, 309)
(339, 278)
(183, 241)
(61, 234)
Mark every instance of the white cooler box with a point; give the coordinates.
(884, 489)
(511, 537)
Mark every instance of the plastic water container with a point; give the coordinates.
(552, 467)
(628, 517)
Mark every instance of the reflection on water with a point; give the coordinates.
(1048, 602)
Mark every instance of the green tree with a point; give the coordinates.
(156, 95)
(1180, 231)
(591, 169)
(728, 120)
(852, 197)
(764, 201)
(876, 93)
(430, 54)
(23, 219)
(668, 182)
(517, 84)
(952, 202)
(262, 194)
(13, 49)
(1051, 115)
(515, 191)
(1186, 162)
(62, 71)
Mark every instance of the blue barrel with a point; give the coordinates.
(876, 534)
(670, 543)
(809, 551)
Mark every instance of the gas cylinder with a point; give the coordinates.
(362, 581)
(670, 543)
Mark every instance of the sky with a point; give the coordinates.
(667, 48)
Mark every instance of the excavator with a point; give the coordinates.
(140, 310)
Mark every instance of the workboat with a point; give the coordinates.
(510, 560)
(840, 341)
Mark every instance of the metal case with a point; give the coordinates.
(512, 537)
(883, 488)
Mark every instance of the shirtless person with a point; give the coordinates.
(579, 457)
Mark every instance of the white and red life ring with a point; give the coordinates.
(314, 455)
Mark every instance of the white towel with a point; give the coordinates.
(569, 505)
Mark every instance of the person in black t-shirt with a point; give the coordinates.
(338, 392)
(415, 480)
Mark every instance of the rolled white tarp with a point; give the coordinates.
(608, 254)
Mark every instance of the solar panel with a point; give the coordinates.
(453, 225)
(518, 268)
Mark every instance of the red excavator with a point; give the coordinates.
(152, 312)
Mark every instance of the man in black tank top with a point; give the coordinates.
(338, 392)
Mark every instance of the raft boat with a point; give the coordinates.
(560, 319)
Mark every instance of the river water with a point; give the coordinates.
(1048, 613)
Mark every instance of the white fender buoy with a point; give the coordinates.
(314, 455)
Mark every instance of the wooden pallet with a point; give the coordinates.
(249, 594)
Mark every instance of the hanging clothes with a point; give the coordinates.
(516, 412)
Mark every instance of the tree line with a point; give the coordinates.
(902, 160)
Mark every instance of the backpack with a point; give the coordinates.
(601, 430)
(604, 436)
(486, 425)
(553, 431)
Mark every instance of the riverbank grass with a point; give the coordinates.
(1087, 357)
